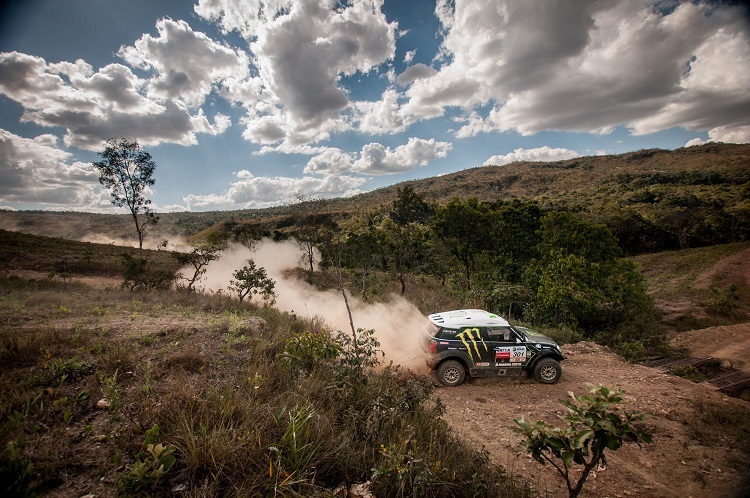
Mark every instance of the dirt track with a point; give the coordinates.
(676, 465)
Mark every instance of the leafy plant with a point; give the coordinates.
(60, 371)
(298, 445)
(724, 303)
(251, 279)
(404, 463)
(595, 425)
(306, 351)
(632, 350)
(158, 462)
(359, 352)
(151, 465)
(141, 273)
(111, 391)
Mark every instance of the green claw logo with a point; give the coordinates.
(468, 333)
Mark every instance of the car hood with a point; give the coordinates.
(541, 339)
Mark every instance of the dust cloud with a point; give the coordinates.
(154, 243)
(397, 323)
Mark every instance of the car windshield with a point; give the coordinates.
(524, 333)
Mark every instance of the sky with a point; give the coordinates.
(247, 104)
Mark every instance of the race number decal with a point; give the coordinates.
(513, 354)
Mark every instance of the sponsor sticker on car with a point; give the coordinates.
(511, 354)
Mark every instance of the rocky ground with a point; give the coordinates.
(682, 462)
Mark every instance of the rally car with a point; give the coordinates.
(482, 344)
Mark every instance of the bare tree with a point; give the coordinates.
(198, 258)
(310, 222)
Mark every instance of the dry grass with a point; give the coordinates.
(208, 373)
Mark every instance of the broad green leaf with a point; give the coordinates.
(580, 439)
(567, 458)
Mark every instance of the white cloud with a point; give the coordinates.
(409, 56)
(414, 73)
(375, 159)
(737, 135)
(37, 171)
(545, 154)
(332, 161)
(589, 66)
(188, 63)
(258, 192)
(95, 106)
(301, 50)
(246, 17)
(379, 117)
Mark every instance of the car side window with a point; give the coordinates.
(503, 334)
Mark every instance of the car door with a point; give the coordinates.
(508, 351)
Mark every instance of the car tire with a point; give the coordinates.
(451, 373)
(547, 371)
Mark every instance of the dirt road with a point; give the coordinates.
(679, 464)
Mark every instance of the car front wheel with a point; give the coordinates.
(547, 371)
(451, 373)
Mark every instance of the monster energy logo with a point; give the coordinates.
(469, 334)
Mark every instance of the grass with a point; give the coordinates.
(688, 277)
(232, 421)
(671, 274)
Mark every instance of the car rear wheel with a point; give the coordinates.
(547, 371)
(451, 373)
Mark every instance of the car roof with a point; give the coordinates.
(467, 318)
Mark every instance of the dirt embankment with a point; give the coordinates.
(679, 464)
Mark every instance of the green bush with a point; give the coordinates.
(724, 303)
(595, 425)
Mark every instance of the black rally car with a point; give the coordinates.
(482, 344)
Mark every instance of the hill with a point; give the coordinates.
(680, 198)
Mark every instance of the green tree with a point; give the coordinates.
(515, 237)
(127, 171)
(465, 229)
(251, 279)
(404, 233)
(595, 424)
(362, 250)
(579, 279)
(410, 207)
(144, 274)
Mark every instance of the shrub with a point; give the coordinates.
(724, 303)
(594, 425)
(140, 273)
